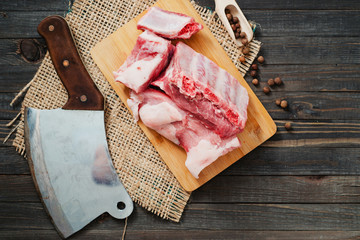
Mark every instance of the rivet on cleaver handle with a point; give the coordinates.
(82, 91)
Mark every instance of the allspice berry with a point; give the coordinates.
(287, 125)
(271, 82)
(246, 50)
(242, 59)
(229, 16)
(244, 41)
(238, 25)
(227, 10)
(233, 27)
(237, 35)
(242, 34)
(278, 81)
(261, 59)
(284, 104)
(266, 90)
(254, 66)
(235, 20)
(278, 102)
(253, 73)
(255, 81)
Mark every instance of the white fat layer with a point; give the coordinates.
(138, 73)
(154, 116)
(168, 131)
(134, 106)
(204, 153)
(152, 37)
(163, 22)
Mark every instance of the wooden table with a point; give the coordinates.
(301, 184)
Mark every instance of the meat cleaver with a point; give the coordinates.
(67, 149)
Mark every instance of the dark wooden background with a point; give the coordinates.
(301, 184)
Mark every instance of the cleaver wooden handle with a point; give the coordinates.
(82, 91)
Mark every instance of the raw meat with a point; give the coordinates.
(198, 85)
(149, 57)
(159, 112)
(169, 25)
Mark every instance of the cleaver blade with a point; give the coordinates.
(67, 149)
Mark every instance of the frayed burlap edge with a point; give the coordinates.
(143, 173)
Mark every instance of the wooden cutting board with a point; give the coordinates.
(110, 54)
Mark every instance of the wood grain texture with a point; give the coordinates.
(320, 153)
(245, 189)
(297, 78)
(207, 234)
(266, 5)
(201, 216)
(273, 23)
(111, 52)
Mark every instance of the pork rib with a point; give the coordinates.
(198, 85)
(149, 57)
(168, 24)
(159, 112)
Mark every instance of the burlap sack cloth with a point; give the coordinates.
(145, 176)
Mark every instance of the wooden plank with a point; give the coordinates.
(111, 52)
(297, 78)
(281, 51)
(14, 77)
(8, 55)
(312, 105)
(298, 161)
(243, 189)
(334, 151)
(274, 23)
(262, 161)
(17, 188)
(23, 24)
(310, 50)
(316, 134)
(274, 217)
(34, 5)
(6, 111)
(279, 189)
(207, 234)
(210, 234)
(308, 78)
(286, 5)
(278, 23)
(12, 162)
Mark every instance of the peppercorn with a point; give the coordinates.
(253, 73)
(266, 90)
(238, 30)
(237, 35)
(244, 41)
(287, 125)
(229, 16)
(254, 66)
(235, 20)
(227, 10)
(255, 81)
(278, 81)
(277, 102)
(246, 50)
(238, 25)
(284, 104)
(261, 59)
(271, 82)
(242, 59)
(233, 27)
